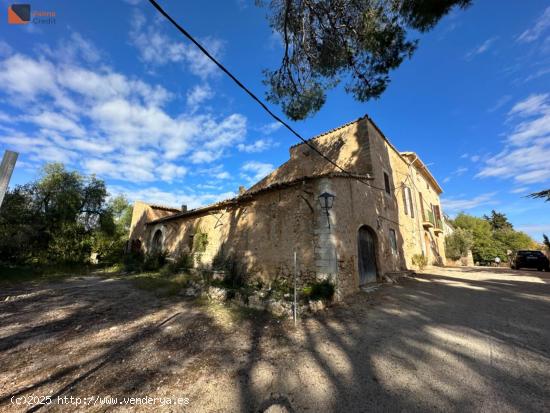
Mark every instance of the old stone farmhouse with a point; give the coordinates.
(384, 213)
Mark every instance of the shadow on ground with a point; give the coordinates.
(451, 339)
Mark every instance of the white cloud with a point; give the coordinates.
(5, 49)
(218, 136)
(457, 172)
(482, 48)
(500, 103)
(533, 105)
(533, 33)
(535, 230)
(198, 95)
(270, 128)
(198, 63)
(525, 155)
(453, 205)
(77, 47)
(157, 48)
(108, 123)
(253, 171)
(173, 197)
(223, 175)
(56, 121)
(258, 146)
(169, 171)
(460, 171)
(519, 190)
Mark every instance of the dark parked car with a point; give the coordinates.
(530, 259)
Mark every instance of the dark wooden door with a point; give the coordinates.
(367, 256)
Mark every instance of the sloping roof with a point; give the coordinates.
(348, 153)
(332, 130)
(247, 196)
(164, 208)
(415, 159)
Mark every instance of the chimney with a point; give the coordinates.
(242, 190)
(184, 208)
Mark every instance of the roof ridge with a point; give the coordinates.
(332, 130)
(158, 206)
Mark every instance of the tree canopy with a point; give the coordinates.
(458, 243)
(61, 217)
(542, 194)
(498, 221)
(493, 236)
(359, 41)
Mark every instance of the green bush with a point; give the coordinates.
(133, 261)
(182, 262)
(154, 261)
(420, 260)
(323, 290)
(200, 241)
(458, 243)
(235, 271)
(279, 287)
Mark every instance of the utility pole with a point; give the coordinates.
(6, 169)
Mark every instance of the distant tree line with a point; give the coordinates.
(62, 217)
(488, 237)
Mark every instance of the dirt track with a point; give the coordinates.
(475, 339)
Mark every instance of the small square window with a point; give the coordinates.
(387, 183)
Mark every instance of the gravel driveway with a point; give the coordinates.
(469, 339)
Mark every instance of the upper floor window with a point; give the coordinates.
(407, 201)
(387, 183)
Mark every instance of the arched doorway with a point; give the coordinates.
(156, 245)
(366, 253)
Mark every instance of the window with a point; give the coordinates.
(409, 197)
(387, 183)
(407, 201)
(393, 241)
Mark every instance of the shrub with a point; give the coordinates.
(154, 261)
(167, 270)
(183, 261)
(323, 290)
(200, 241)
(235, 271)
(458, 243)
(279, 287)
(420, 260)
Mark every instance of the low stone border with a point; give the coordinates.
(256, 301)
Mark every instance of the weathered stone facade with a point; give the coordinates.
(391, 193)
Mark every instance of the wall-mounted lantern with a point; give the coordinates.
(326, 200)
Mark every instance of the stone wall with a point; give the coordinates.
(264, 228)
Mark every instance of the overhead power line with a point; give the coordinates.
(253, 96)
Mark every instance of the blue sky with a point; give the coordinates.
(114, 90)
